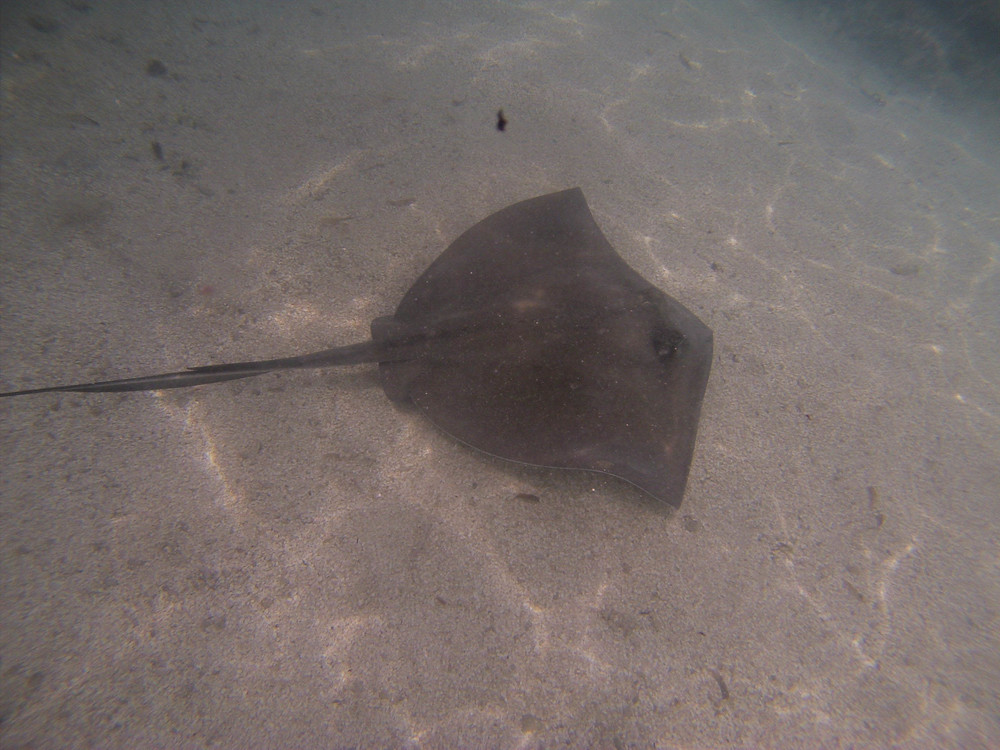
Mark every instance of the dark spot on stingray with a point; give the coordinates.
(527, 497)
(44, 24)
(501, 121)
(157, 150)
(666, 342)
(530, 339)
(156, 69)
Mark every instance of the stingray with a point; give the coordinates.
(528, 338)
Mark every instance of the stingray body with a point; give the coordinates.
(529, 338)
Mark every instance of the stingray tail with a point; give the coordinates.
(343, 355)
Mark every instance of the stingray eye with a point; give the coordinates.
(666, 342)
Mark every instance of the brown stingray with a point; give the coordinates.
(529, 338)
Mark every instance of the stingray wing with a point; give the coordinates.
(545, 347)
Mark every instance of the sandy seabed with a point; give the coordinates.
(293, 561)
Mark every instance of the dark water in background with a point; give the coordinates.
(950, 48)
